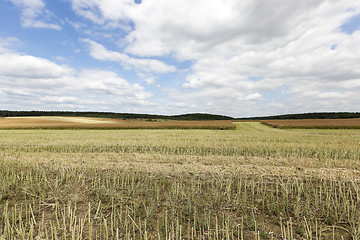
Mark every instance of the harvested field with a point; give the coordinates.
(254, 182)
(353, 123)
(103, 123)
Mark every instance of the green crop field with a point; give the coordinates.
(254, 182)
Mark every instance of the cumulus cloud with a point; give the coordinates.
(248, 57)
(35, 15)
(7, 42)
(287, 44)
(104, 11)
(99, 52)
(25, 66)
(28, 82)
(59, 99)
(110, 84)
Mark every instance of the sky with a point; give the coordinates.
(236, 58)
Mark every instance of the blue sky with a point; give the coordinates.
(173, 57)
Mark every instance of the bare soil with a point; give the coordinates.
(315, 123)
(81, 122)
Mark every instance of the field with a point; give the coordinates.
(352, 123)
(254, 182)
(105, 123)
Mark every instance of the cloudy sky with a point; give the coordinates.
(231, 57)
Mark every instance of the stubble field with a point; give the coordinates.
(351, 123)
(254, 182)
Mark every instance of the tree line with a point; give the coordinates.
(183, 117)
(320, 115)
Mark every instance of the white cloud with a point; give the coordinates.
(286, 43)
(28, 82)
(253, 96)
(34, 14)
(5, 43)
(58, 99)
(109, 83)
(103, 11)
(25, 66)
(99, 52)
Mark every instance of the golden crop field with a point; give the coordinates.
(104, 123)
(254, 182)
(315, 123)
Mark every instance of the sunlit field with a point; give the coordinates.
(254, 182)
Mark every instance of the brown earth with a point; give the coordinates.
(315, 123)
(81, 122)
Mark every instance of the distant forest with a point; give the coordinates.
(324, 115)
(183, 117)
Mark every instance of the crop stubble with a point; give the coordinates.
(255, 182)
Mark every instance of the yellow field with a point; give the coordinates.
(254, 182)
(82, 122)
